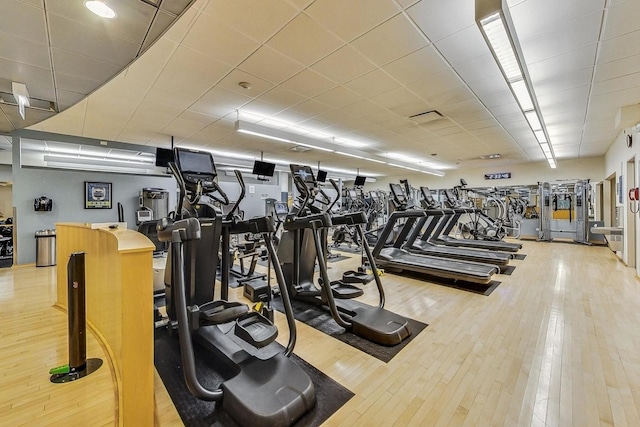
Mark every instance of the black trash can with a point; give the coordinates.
(45, 248)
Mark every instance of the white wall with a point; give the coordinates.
(525, 174)
(615, 163)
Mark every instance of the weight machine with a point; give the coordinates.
(564, 210)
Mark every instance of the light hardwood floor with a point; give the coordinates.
(556, 344)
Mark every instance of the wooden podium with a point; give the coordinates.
(119, 304)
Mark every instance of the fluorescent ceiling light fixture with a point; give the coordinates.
(540, 136)
(350, 155)
(94, 161)
(375, 160)
(21, 94)
(351, 142)
(497, 36)
(522, 94)
(313, 146)
(100, 9)
(494, 21)
(534, 121)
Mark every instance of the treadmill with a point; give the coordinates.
(441, 233)
(425, 247)
(397, 259)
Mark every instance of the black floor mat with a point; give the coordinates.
(476, 288)
(321, 320)
(351, 250)
(519, 256)
(507, 269)
(198, 413)
(338, 258)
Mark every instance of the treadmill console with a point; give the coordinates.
(280, 209)
(399, 198)
(427, 197)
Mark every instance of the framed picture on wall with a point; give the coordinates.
(97, 195)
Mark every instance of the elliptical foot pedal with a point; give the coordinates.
(217, 312)
(256, 329)
(352, 276)
(342, 290)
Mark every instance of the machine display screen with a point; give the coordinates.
(261, 168)
(426, 193)
(360, 180)
(281, 208)
(398, 192)
(449, 195)
(322, 175)
(195, 162)
(303, 172)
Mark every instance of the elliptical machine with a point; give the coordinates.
(303, 244)
(270, 392)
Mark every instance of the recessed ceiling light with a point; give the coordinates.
(100, 9)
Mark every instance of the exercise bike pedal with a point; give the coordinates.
(256, 330)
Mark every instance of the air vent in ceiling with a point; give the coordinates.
(300, 149)
(427, 116)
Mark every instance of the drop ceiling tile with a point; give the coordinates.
(133, 21)
(531, 18)
(308, 83)
(177, 82)
(161, 22)
(630, 81)
(338, 97)
(619, 68)
(72, 64)
(304, 40)
(555, 100)
(416, 65)
(310, 108)
(163, 95)
(435, 84)
(88, 41)
(618, 48)
(219, 41)
(175, 7)
(75, 83)
(575, 35)
(257, 87)
(343, 65)
(622, 18)
(69, 123)
(401, 101)
(144, 72)
(463, 46)
(389, 41)
(441, 19)
(67, 99)
(452, 96)
(362, 108)
(270, 65)
(219, 102)
(473, 127)
(184, 128)
(261, 108)
(23, 21)
(372, 83)
(181, 25)
(563, 82)
(338, 15)
(258, 20)
(24, 51)
(282, 98)
(12, 71)
(159, 53)
(195, 65)
(479, 68)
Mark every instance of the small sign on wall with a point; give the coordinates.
(499, 175)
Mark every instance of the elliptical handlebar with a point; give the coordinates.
(243, 189)
(336, 187)
(304, 190)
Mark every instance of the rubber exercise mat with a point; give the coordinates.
(507, 269)
(198, 413)
(321, 320)
(351, 250)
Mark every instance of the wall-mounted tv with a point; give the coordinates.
(261, 168)
(322, 176)
(163, 157)
(360, 181)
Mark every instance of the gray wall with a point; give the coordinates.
(5, 173)
(66, 188)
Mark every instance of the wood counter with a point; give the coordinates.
(119, 297)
